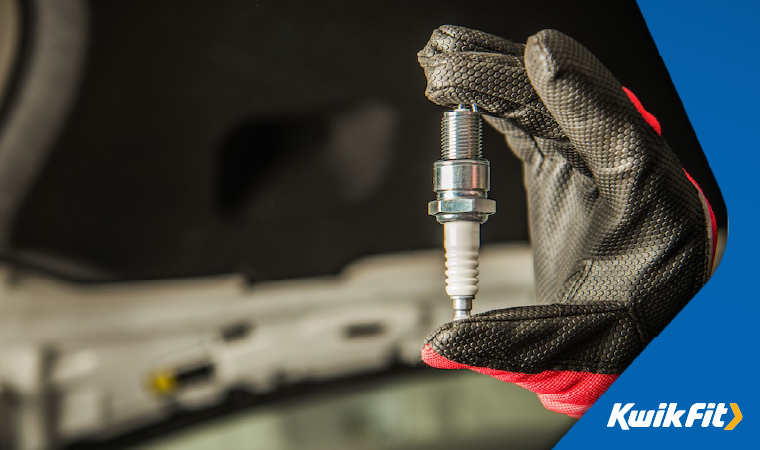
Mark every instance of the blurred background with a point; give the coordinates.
(213, 222)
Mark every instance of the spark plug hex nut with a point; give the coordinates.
(483, 206)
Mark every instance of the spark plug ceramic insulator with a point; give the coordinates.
(461, 179)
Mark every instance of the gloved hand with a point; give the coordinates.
(622, 237)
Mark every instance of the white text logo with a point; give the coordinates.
(668, 415)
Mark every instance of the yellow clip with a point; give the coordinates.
(163, 382)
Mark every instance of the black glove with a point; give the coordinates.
(622, 237)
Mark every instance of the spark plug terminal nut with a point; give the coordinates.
(461, 180)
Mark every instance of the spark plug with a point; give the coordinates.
(461, 180)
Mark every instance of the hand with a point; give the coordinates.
(622, 237)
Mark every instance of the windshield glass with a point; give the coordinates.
(415, 409)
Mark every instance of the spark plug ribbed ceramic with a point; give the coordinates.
(461, 179)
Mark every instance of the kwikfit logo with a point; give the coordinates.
(668, 415)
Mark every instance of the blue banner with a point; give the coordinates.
(696, 385)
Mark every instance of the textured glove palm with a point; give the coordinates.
(622, 238)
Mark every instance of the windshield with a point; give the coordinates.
(405, 409)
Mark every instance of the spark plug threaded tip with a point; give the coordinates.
(461, 135)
